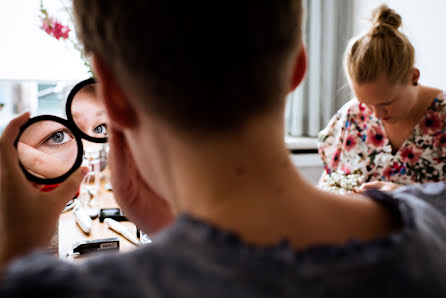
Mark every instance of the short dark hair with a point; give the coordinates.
(205, 65)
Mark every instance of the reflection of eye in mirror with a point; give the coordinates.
(88, 112)
(47, 149)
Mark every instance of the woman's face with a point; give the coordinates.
(47, 149)
(389, 102)
(89, 114)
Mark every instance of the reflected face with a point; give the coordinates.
(89, 113)
(47, 149)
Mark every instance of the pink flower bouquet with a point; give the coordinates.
(54, 28)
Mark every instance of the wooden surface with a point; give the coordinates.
(70, 232)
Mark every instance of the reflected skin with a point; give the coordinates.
(47, 149)
(88, 113)
(40, 164)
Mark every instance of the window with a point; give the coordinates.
(327, 30)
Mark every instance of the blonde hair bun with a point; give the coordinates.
(383, 15)
(383, 50)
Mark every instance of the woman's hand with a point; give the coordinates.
(28, 217)
(381, 185)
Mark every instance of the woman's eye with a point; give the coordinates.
(387, 103)
(59, 138)
(101, 129)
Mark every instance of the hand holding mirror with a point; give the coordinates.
(51, 148)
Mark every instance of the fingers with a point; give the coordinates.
(12, 130)
(371, 185)
(37, 186)
(10, 134)
(40, 163)
(65, 191)
(381, 185)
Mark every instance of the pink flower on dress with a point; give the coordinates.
(439, 141)
(410, 155)
(376, 136)
(431, 123)
(361, 120)
(364, 109)
(345, 169)
(387, 172)
(349, 143)
(392, 170)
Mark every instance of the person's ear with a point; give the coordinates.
(119, 108)
(300, 68)
(415, 76)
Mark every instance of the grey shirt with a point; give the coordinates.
(194, 259)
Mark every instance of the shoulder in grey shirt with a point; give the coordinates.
(193, 259)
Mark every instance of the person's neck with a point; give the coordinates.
(421, 102)
(423, 99)
(239, 182)
(220, 170)
(246, 183)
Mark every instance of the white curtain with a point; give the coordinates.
(327, 30)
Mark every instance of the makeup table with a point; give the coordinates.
(70, 232)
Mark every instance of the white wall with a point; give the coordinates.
(424, 23)
(310, 166)
(27, 52)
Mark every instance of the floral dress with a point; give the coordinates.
(355, 142)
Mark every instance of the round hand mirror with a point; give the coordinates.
(50, 148)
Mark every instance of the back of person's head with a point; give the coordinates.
(202, 65)
(383, 50)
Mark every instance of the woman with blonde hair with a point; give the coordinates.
(394, 128)
(212, 180)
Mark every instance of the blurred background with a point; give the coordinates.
(40, 61)
(36, 69)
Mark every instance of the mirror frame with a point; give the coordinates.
(80, 150)
(69, 114)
